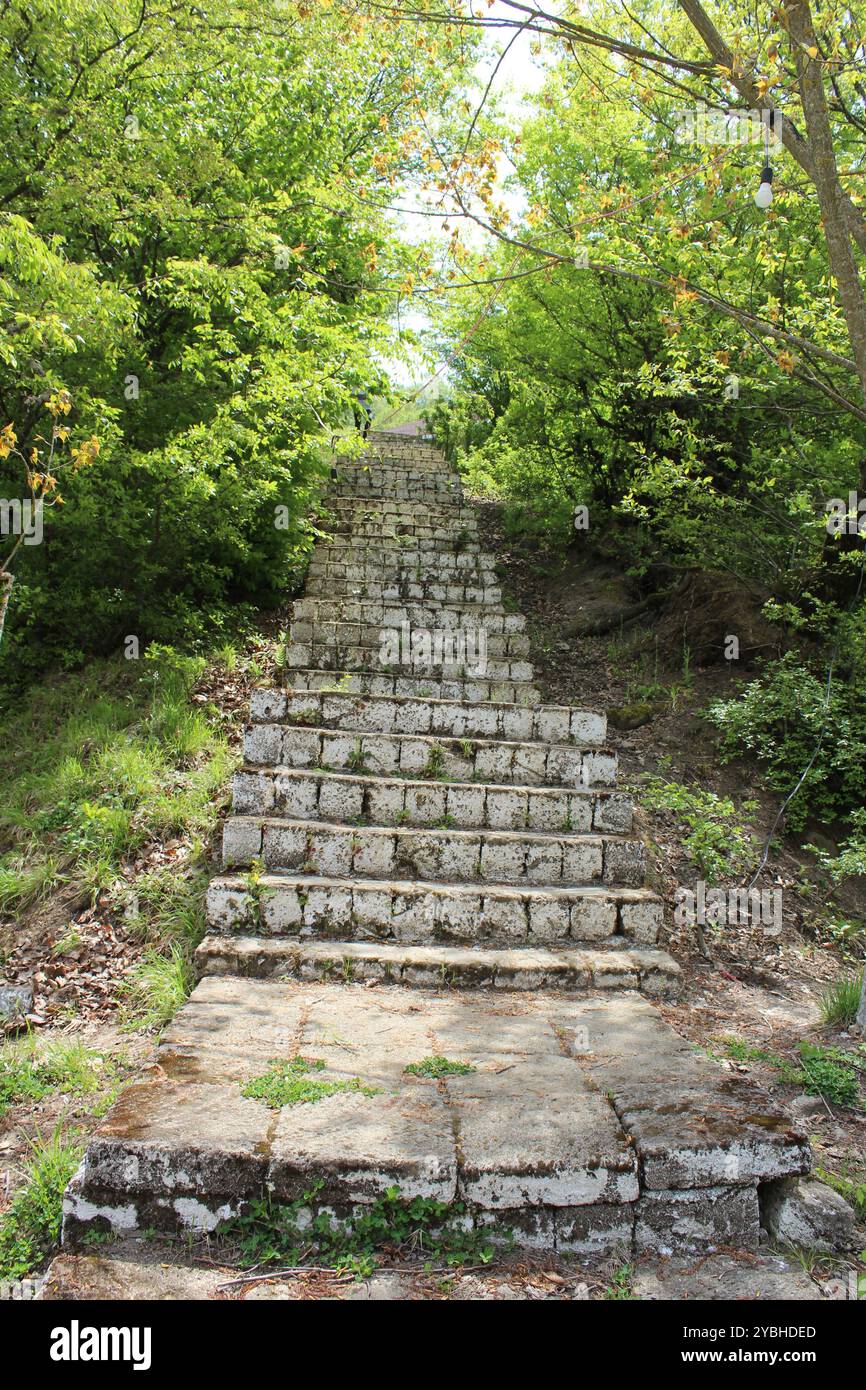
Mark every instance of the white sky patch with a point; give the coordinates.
(521, 74)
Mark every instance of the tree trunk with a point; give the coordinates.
(6, 582)
(797, 147)
(825, 176)
(861, 1012)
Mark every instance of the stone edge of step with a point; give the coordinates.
(618, 965)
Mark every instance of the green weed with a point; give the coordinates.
(31, 1070)
(294, 1082)
(436, 1067)
(272, 1233)
(840, 1001)
(30, 1228)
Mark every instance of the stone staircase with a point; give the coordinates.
(425, 860)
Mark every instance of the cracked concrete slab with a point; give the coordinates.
(562, 1111)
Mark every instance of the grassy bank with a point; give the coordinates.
(111, 791)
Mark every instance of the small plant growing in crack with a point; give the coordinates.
(435, 764)
(256, 893)
(620, 1286)
(294, 1082)
(355, 761)
(305, 716)
(436, 1067)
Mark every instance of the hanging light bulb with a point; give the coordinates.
(764, 191)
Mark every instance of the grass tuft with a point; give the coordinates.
(841, 1000)
(30, 1227)
(294, 1083)
(437, 1067)
(157, 986)
(30, 1070)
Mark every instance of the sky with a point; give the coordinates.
(518, 77)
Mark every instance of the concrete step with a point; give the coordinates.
(454, 514)
(443, 567)
(355, 798)
(363, 507)
(430, 757)
(417, 912)
(421, 687)
(410, 552)
(410, 643)
(382, 714)
(457, 657)
(409, 489)
(405, 465)
(383, 612)
(561, 1132)
(416, 484)
(396, 582)
(400, 588)
(400, 460)
(575, 970)
(391, 533)
(543, 857)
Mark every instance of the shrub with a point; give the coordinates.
(717, 843)
(783, 719)
(850, 862)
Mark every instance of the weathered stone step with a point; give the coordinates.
(405, 471)
(580, 1125)
(403, 535)
(451, 512)
(444, 567)
(453, 655)
(412, 551)
(402, 589)
(383, 612)
(412, 911)
(399, 485)
(545, 858)
(461, 646)
(334, 796)
(454, 585)
(394, 511)
(463, 719)
(387, 446)
(394, 582)
(355, 475)
(425, 756)
(404, 488)
(422, 687)
(575, 970)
